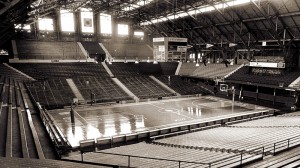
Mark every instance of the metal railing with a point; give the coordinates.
(236, 160)
(178, 162)
(285, 144)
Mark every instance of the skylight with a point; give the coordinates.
(201, 9)
(137, 5)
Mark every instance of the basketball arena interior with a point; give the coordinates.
(149, 83)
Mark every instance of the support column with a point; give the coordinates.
(256, 93)
(274, 99)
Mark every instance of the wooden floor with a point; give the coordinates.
(103, 121)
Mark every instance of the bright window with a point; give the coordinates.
(105, 24)
(46, 24)
(67, 21)
(192, 56)
(138, 33)
(25, 26)
(123, 29)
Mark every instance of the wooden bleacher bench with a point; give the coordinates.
(8, 150)
(25, 152)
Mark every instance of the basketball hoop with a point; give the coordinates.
(223, 87)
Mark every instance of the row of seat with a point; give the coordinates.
(8, 72)
(67, 70)
(92, 48)
(160, 156)
(52, 93)
(48, 50)
(104, 89)
(234, 138)
(244, 75)
(144, 87)
(210, 71)
(180, 86)
(143, 68)
(17, 139)
(130, 51)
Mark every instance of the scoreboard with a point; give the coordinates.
(169, 49)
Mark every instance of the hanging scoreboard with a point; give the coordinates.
(169, 49)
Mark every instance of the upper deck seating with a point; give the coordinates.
(92, 48)
(49, 50)
(130, 51)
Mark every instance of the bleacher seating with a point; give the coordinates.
(16, 138)
(38, 163)
(6, 71)
(289, 159)
(105, 89)
(182, 87)
(168, 68)
(93, 48)
(243, 75)
(130, 51)
(172, 156)
(52, 93)
(244, 136)
(187, 69)
(144, 87)
(49, 50)
(210, 71)
(143, 68)
(122, 69)
(43, 71)
(286, 120)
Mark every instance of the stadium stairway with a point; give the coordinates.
(125, 89)
(107, 69)
(149, 47)
(233, 71)
(19, 72)
(75, 91)
(164, 86)
(83, 50)
(106, 51)
(178, 68)
(295, 84)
